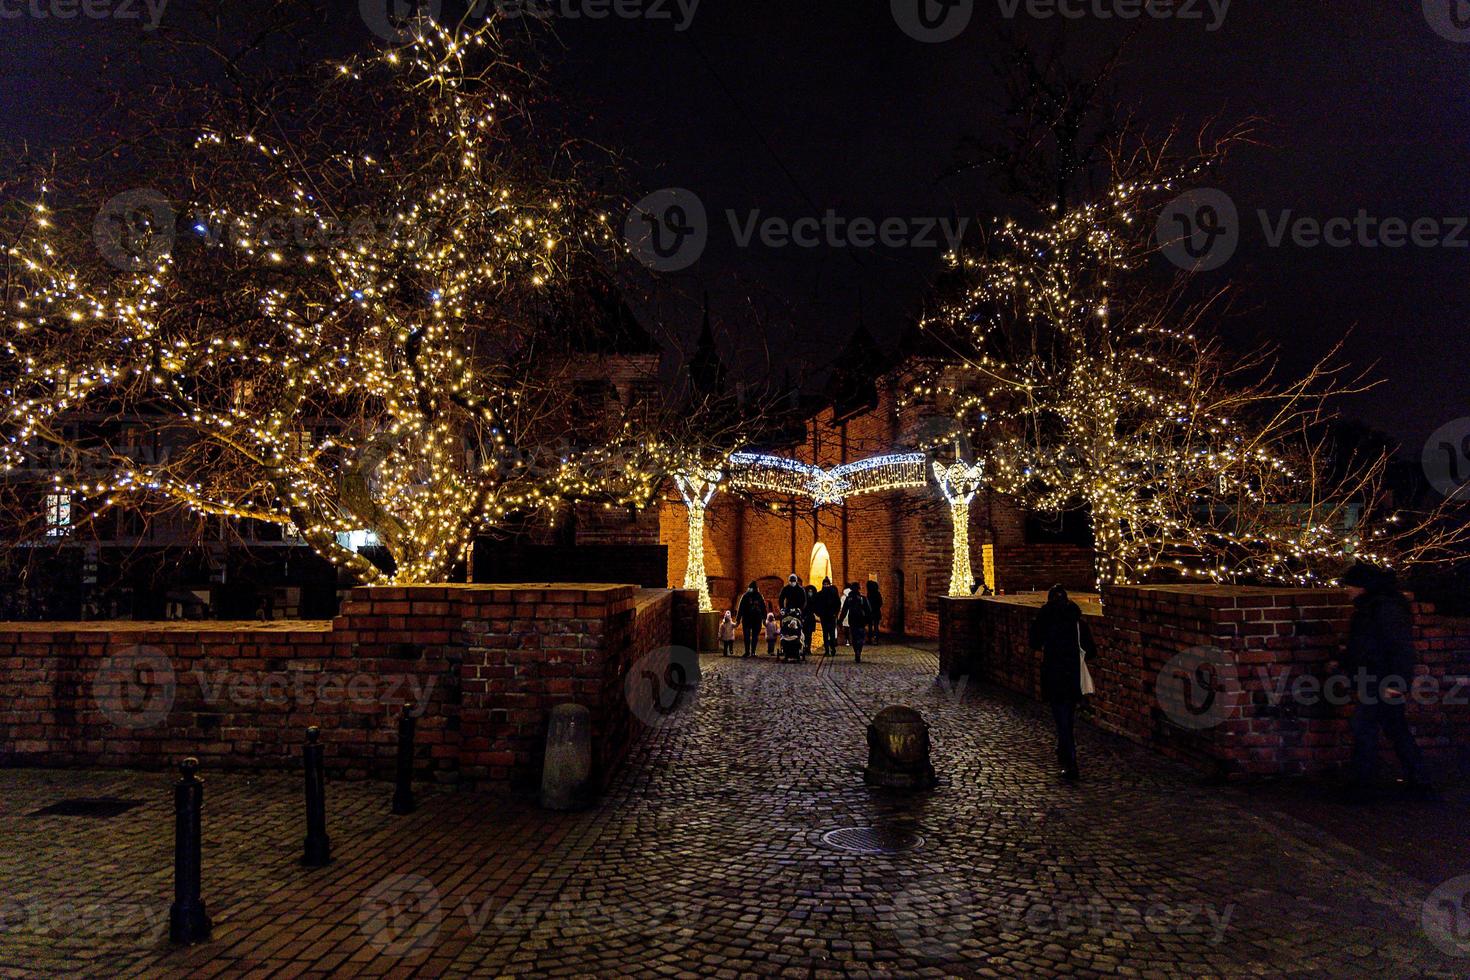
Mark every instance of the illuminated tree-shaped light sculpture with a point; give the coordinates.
(698, 489)
(960, 482)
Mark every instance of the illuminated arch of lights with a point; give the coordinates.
(754, 471)
(776, 474)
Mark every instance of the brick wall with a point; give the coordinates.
(1037, 567)
(486, 663)
(1269, 641)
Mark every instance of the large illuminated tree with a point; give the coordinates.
(1086, 375)
(332, 303)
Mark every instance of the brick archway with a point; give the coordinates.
(820, 566)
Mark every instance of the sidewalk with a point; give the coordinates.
(708, 858)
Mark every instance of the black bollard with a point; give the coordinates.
(403, 788)
(318, 845)
(187, 920)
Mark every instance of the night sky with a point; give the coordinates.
(797, 108)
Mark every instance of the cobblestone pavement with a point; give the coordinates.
(707, 859)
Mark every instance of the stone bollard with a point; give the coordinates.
(709, 630)
(403, 801)
(318, 845)
(188, 922)
(898, 751)
(566, 776)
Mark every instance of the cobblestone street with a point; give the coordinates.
(707, 858)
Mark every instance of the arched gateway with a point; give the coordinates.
(958, 482)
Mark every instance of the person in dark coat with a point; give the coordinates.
(1380, 662)
(793, 596)
(752, 615)
(809, 617)
(829, 603)
(856, 614)
(875, 603)
(1063, 639)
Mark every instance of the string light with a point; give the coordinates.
(697, 489)
(1081, 384)
(365, 375)
(775, 474)
(959, 482)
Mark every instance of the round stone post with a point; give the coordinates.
(318, 852)
(403, 801)
(188, 922)
(566, 775)
(898, 751)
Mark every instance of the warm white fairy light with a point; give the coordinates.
(960, 482)
(1081, 382)
(698, 489)
(317, 372)
(776, 474)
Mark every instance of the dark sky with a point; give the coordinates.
(794, 108)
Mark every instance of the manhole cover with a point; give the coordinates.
(872, 840)
(104, 808)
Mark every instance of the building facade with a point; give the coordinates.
(900, 539)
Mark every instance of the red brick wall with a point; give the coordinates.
(486, 662)
(1270, 638)
(1037, 567)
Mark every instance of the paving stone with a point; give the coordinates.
(705, 859)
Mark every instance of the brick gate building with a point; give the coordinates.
(900, 539)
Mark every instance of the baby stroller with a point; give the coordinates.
(793, 641)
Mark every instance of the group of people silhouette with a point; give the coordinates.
(852, 612)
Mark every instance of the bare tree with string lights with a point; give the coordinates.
(332, 304)
(1084, 378)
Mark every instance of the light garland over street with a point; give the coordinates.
(777, 474)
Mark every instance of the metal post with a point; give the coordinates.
(187, 920)
(318, 845)
(403, 802)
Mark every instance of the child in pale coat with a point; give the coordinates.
(773, 630)
(727, 633)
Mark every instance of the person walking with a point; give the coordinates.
(773, 631)
(829, 603)
(809, 619)
(727, 634)
(752, 612)
(1065, 642)
(875, 603)
(1380, 658)
(793, 596)
(856, 614)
